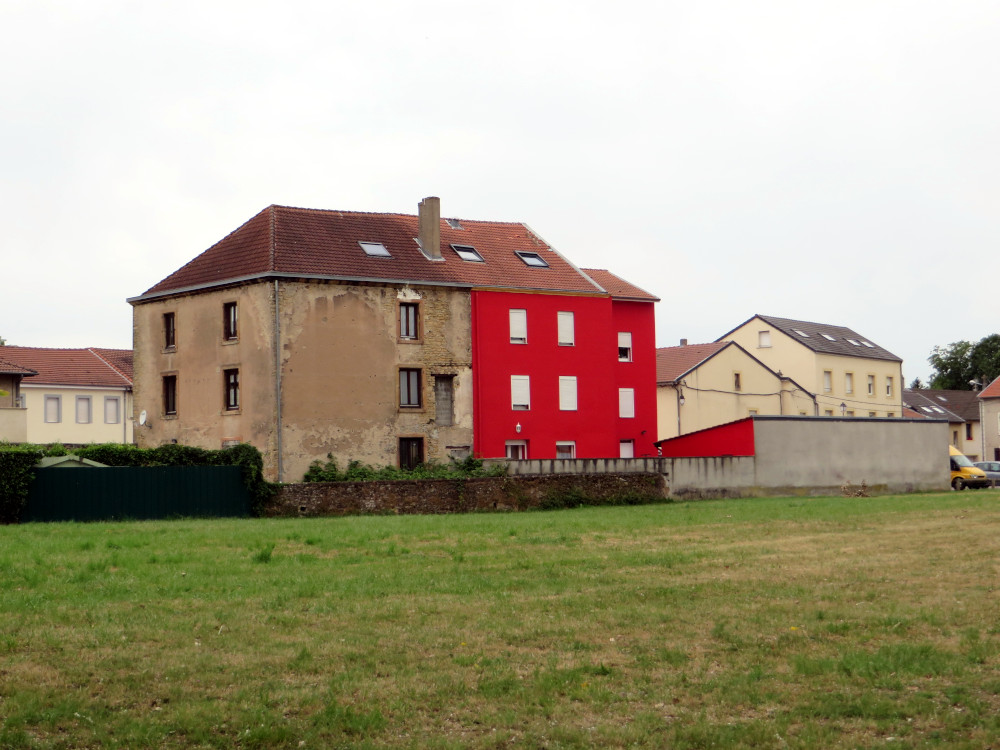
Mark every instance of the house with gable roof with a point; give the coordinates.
(704, 385)
(393, 339)
(989, 416)
(73, 396)
(849, 374)
(13, 415)
(960, 408)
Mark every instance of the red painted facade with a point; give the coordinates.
(732, 439)
(595, 426)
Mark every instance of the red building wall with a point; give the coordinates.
(732, 439)
(595, 426)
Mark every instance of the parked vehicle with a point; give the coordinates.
(964, 473)
(992, 469)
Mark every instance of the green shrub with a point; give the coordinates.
(357, 471)
(17, 464)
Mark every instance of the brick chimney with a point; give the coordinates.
(429, 213)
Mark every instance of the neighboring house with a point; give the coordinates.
(960, 408)
(703, 385)
(850, 375)
(393, 339)
(77, 396)
(13, 415)
(989, 416)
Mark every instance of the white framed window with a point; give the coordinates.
(112, 410)
(520, 392)
(565, 449)
(567, 393)
(626, 449)
(566, 332)
(517, 450)
(827, 381)
(848, 382)
(624, 346)
(626, 402)
(518, 326)
(763, 339)
(53, 409)
(83, 410)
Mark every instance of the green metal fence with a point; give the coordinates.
(132, 492)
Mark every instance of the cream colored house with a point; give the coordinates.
(989, 420)
(703, 385)
(960, 408)
(849, 374)
(77, 397)
(13, 416)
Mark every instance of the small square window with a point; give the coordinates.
(565, 449)
(763, 339)
(626, 449)
(532, 259)
(469, 253)
(516, 450)
(411, 452)
(375, 249)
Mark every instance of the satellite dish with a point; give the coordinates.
(142, 417)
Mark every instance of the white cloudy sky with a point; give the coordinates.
(833, 161)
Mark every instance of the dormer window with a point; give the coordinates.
(532, 259)
(468, 252)
(375, 249)
(454, 223)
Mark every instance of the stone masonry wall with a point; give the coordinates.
(464, 495)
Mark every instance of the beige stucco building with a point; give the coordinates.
(848, 373)
(989, 421)
(703, 385)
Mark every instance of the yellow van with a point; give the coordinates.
(964, 473)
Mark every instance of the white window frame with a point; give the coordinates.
(763, 339)
(566, 444)
(567, 393)
(624, 346)
(520, 392)
(112, 404)
(56, 401)
(518, 326)
(511, 446)
(567, 332)
(626, 403)
(626, 449)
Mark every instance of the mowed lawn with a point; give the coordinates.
(781, 622)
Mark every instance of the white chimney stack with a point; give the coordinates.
(429, 231)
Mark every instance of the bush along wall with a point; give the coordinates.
(17, 465)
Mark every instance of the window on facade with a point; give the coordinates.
(872, 414)
(532, 259)
(828, 413)
(626, 449)
(968, 430)
(565, 449)
(871, 385)
(890, 414)
(624, 346)
(827, 381)
(567, 393)
(409, 320)
(737, 382)
(519, 326)
(954, 437)
(888, 387)
(468, 253)
(112, 410)
(849, 382)
(444, 400)
(53, 409)
(567, 334)
(763, 339)
(411, 452)
(169, 331)
(752, 412)
(626, 402)
(230, 320)
(520, 392)
(232, 382)
(850, 413)
(84, 410)
(517, 450)
(169, 394)
(409, 388)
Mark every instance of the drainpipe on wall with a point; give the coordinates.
(680, 403)
(277, 382)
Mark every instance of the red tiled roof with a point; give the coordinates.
(617, 287)
(9, 368)
(992, 390)
(674, 361)
(309, 242)
(73, 367)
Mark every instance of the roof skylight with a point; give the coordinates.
(454, 223)
(868, 344)
(532, 259)
(375, 249)
(803, 334)
(852, 341)
(828, 336)
(468, 252)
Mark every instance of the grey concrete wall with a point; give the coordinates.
(720, 476)
(889, 455)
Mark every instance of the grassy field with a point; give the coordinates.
(784, 623)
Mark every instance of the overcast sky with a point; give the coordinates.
(835, 162)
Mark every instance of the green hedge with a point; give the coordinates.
(17, 469)
(359, 472)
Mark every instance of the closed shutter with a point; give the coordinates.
(626, 402)
(567, 393)
(520, 392)
(566, 332)
(518, 326)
